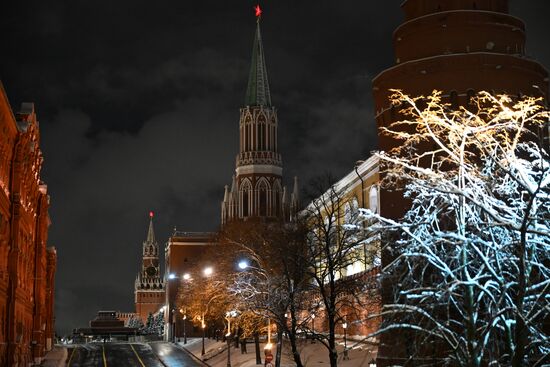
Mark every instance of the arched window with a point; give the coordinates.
(247, 137)
(354, 206)
(373, 199)
(262, 136)
(245, 191)
(347, 213)
(262, 188)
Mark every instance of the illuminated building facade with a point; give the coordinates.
(27, 265)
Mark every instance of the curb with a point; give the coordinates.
(192, 355)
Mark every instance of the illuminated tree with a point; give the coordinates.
(204, 298)
(272, 278)
(473, 251)
(335, 243)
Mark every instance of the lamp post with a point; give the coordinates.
(184, 331)
(174, 325)
(208, 271)
(312, 328)
(203, 325)
(186, 279)
(345, 326)
(228, 316)
(268, 347)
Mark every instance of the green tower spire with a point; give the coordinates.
(257, 93)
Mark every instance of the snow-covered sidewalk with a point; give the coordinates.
(57, 357)
(312, 354)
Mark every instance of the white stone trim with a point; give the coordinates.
(259, 169)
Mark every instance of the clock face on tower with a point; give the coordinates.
(151, 271)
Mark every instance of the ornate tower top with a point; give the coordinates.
(257, 92)
(256, 189)
(150, 277)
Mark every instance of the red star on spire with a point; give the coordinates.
(258, 11)
(151, 214)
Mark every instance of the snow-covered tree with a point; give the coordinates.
(472, 259)
(149, 324)
(335, 244)
(272, 280)
(158, 324)
(135, 322)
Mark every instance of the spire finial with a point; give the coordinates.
(258, 12)
(151, 232)
(257, 92)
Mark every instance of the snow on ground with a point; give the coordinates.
(312, 354)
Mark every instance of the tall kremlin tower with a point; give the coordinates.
(256, 190)
(149, 287)
(459, 47)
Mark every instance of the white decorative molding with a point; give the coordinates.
(259, 169)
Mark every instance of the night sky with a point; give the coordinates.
(138, 103)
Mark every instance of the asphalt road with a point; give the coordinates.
(129, 355)
(173, 356)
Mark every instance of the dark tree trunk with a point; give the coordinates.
(237, 338)
(279, 347)
(257, 346)
(333, 354)
(243, 346)
(292, 338)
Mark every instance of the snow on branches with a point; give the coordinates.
(472, 255)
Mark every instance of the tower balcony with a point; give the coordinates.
(259, 157)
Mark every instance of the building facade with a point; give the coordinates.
(149, 291)
(358, 189)
(460, 48)
(257, 189)
(184, 253)
(27, 265)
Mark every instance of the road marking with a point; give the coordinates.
(104, 358)
(139, 359)
(72, 353)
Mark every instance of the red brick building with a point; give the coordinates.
(184, 253)
(458, 47)
(27, 266)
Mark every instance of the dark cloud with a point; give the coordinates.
(138, 103)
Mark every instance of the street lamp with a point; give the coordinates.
(208, 271)
(172, 276)
(186, 276)
(345, 326)
(203, 325)
(228, 316)
(268, 347)
(312, 328)
(243, 264)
